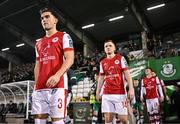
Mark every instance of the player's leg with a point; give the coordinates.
(141, 114)
(131, 116)
(108, 117)
(40, 118)
(149, 105)
(107, 108)
(121, 108)
(40, 107)
(156, 108)
(57, 105)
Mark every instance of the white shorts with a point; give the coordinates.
(50, 101)
(115, 104)
(152, 105)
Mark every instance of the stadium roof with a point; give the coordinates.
(20, 23)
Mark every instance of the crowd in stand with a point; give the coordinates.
(25, 71)
(18, 73)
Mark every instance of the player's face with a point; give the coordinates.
(136, 82)
(109, 48)
(147, 71)
(48, 21)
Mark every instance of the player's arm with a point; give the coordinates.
(128, 77)
(163, 86)
(159, 87)
(36, 71)
(130, 84)
(36, 67)
(99, 86)
(100, 82)
(67, 63)
(142, 92)
(68, 54)
(165, 90)
(69, 60)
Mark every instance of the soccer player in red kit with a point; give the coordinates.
(152, 91)
(54, 56)
(113, 68)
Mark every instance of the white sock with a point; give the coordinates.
(58, 122)
(40, 121)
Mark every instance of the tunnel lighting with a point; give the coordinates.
(116, 18)
(19, 45)
(5, 49)
(157, 6)
(88, 26)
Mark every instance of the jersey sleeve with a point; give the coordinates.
(124, 64)
(159, 87)
(162, 83)
(143, 90)
(67, 42)
(101, 71)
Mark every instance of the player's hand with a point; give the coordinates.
(131, 93)
(52, 81)
(98, 97)
(161, 99)
(142, 100)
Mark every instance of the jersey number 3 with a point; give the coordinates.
(59, 103)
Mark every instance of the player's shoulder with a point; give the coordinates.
(154, 77)
(38, 41)
(65, 36)
(119, 56)
(63, 33)
(145, 78)
(103, 59)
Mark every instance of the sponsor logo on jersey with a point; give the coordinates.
(46, 57)
(111, 69)
(45, 49)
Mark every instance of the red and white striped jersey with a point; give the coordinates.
(112, 69)
(151, 88)
(50, 55)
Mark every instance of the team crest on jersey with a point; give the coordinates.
(116, 62)
(55, 39)
(153, 79)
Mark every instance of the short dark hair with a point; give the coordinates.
(46, 9)
(110, 40)
(149, 68)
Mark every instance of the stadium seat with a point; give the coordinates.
(6, 109)
(20, 108)
(1, 108)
